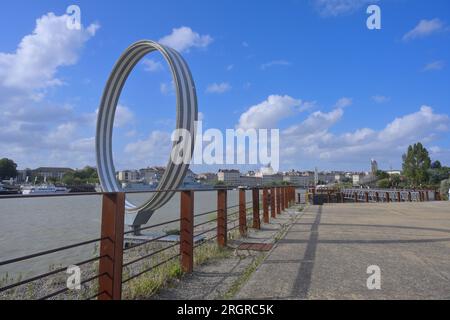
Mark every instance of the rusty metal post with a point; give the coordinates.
(242, 213)
(437, 196)
(299, 198)
(286, 204)
(278, 195)
(328, 197)
(427, 196)
(387, 197)
(399, 196)
(409, 196)
(272, 203)
(187, 231)
(366, 196)
(111, 247)
(265, 205)
(283, 203)
(355, 196)
(256, 218)
(377, 196)
(222, 222)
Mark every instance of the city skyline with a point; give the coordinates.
(340, 93)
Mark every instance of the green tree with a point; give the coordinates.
(383, 183)
(8, 169)
(84, 176)
(416, 163)
(380, 174)
(436, 165)
(436, 175)
(395, 180)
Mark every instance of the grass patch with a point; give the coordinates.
(151, 282)
(209, 251)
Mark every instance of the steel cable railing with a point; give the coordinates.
(112, 237)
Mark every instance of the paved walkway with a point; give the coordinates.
(214, 279)
(326, 253)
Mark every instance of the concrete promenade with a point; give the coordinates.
(326, 252)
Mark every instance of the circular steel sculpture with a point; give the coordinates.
(187, 114)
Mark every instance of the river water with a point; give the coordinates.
(30, 225)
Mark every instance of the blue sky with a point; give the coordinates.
(339, 93)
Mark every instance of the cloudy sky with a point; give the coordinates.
(339, 93)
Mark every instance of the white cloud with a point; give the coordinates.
(275, 63)
(344, 102)
(424, 28)
(123, 117)
(230, 67)
(36, 131)
(434, 66)
(380, 98)
(152, 65)
(218, 87)
(267, 113)
(245, 44)
(155, 149)
(316, 122)
(415, 125)
(167, 88)
(328, 8)
(312, 140)
(38, 56)
(182, 39)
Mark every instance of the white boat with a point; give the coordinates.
(44, 189)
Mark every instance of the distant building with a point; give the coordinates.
(23, 175)
(299, 180)
(392, 172)
(128, 176)
(373, 166)
(151, 175)
(207, 178)
(355, 179)
(250, 181)
(50, 172)
(229, 176)
(359, 178)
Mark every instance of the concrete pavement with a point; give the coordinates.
(326, 252)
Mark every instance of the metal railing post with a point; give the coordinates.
(366, 196)
(242, 213)
(272, 203)
(278, 204)
(387, 197)
(285, 197)
(377, 196)
(187, 231)
(355, 196)
(265, 205)
(222, 222)
(256, 218)
(111, 246)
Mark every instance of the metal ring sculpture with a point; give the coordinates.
(187, 114)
